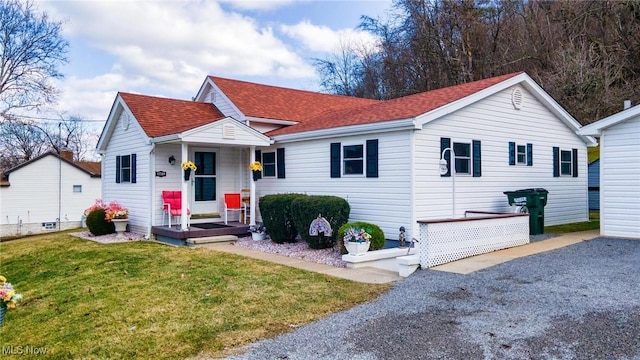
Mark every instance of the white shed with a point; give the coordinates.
(47, 193)
(619, 172)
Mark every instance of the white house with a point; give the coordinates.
(381, 156)
(619, 172)
(47, 193)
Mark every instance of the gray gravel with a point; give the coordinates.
(578, 302)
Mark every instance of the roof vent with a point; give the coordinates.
(517, 98)
(229, 132)
(211, 97)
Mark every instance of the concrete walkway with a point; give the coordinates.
(378, 276)
(483, 261)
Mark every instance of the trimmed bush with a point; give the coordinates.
(377, 235)
(306, 209)
(276, 217)
(98, 224)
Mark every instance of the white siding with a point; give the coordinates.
(406, 192)
(33, 196)
(495, 123)
(222, 103)
(620, 179)
(135, 197)
(384, 201)
(231, 175)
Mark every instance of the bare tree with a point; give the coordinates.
(31, 49)
(22, 140)
(586, 54)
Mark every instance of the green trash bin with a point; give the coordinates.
(531, 201)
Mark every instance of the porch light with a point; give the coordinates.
(443, 170)
(172, 160)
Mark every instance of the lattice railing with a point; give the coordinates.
(444, 241)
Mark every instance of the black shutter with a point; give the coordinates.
(118, 169)
(477, 159)
(445, 143)
(529, 154)
(133, 168)
(556, 161)
(574, 162)
(335, 160)
(258, 175)
(512, 153)
(280, 162)
(372, 158)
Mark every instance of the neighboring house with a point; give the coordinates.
(381, 156)
(619, 172)
(36, 194)
(594, 185)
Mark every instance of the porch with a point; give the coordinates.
(215, 231)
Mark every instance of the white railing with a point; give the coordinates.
(446, 240)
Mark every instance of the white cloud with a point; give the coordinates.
(324, 39)
(167, 47)
(256, 4)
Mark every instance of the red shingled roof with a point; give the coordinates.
(92, 167)
(272, 102)
(401, 108)
(162, 116)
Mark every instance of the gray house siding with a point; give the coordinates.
(594, 185)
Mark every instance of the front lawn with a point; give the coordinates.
(146, 300)
(592, 224)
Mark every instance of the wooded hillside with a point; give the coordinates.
(586, 54)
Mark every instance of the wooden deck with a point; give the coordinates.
(198, 231)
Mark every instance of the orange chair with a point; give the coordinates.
(232, 202)
(172, 205)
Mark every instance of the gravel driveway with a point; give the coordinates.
(578, 302)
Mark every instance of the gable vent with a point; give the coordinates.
(517, 98)
(229, 132)
(211, 97)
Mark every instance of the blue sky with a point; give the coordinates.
(166, 48)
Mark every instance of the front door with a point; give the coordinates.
(203, 184)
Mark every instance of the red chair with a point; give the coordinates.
(172, 205)
(232, 202)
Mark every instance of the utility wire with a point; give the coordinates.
(58, 119)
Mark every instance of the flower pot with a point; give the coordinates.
(357, 248)
(187, 174)
(121, 227)
(258, 236)
(256, 175)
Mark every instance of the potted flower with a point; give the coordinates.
(118, 215)
(256, 168)
(258, 232)
(357, 241)
(188, 166)
(8, 297)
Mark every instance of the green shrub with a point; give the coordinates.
(97, 223)
(306, 209)
(276, 217)
(377, 235)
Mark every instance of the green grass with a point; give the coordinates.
(146, 300)
(592, 224)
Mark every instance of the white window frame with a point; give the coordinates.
(268, 164)
(459, 157)
(123, 168)
(570, 162)
(77, 189)
(523, 154)
(360, 159)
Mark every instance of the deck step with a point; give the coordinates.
(211, 239)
